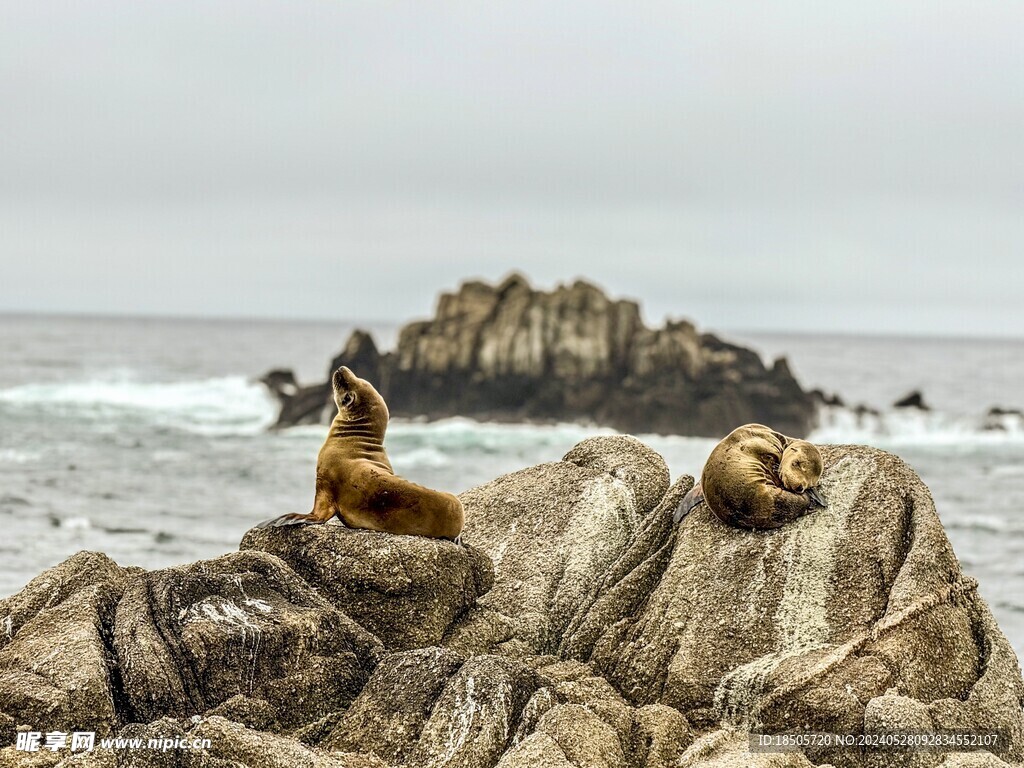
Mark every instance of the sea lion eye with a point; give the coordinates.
(348, 399)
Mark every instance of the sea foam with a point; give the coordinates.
(224, 405)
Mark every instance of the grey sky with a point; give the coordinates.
(856, 166)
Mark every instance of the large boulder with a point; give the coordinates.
(815, 625)
(191, 637)
(406, 590)
(72, 684)
(509, 351)
(552, 531)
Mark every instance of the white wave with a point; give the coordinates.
(12, 456)
(991, 523)
(225, 405)
(430, 458)
(914, 426)
(76, 523)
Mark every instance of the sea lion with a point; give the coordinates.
(758, 478)
(354, 479)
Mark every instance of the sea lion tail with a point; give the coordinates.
(690, 500)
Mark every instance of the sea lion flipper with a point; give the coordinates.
(290, 519)
(816, 498)
(694, 497)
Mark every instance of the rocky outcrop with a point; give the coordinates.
(580, 627)
(822, 624)
(509, 352)
(406, 590)
(912, 400)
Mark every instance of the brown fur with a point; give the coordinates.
(758, 478)
(354, 479)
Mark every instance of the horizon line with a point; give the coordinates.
(397, 324)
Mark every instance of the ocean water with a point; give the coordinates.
(147, 438)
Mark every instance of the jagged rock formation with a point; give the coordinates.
(580, 628)
(509, 352)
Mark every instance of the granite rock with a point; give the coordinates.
(406, 590)
(189, 638)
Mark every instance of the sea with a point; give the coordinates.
(147, 438)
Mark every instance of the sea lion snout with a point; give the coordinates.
(343, 378)
(357, 399)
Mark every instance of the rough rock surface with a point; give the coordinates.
(406, 590)
(611, 638)
(512, 352)
(74, 683)
(191, 637)
(433, 707)
(552, 531)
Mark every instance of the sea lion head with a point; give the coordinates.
(358, 402)
(801, 466)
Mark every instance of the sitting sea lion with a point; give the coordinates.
(758, 478)
(354, 479)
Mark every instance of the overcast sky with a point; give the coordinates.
(783, 165)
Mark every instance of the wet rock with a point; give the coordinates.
(828, 399)
(803, 626)
(280, 381)
(552, 531)
(72, 684)
(406, 590)
(912, 400)
(508, 351)
(1003, 419)
(191, 637)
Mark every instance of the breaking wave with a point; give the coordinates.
(225, 405)
(914, 426)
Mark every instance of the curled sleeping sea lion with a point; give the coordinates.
(758, 478)
(354, 479)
